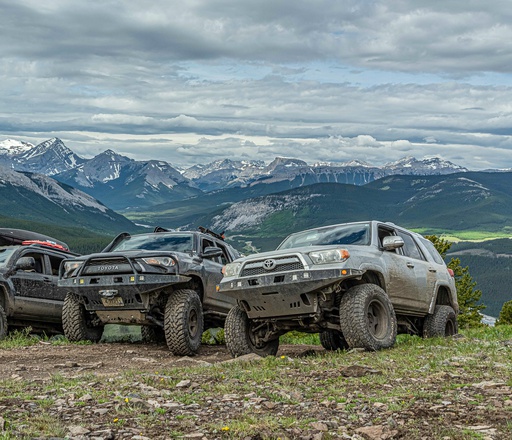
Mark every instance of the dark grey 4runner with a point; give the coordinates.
(164, 281)
(29, 268)
(357, 284)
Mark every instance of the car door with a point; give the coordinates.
(35, 296)
(418, 271)
(213, 268)
(407, 274)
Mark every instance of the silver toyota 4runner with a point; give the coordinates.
(357, 284)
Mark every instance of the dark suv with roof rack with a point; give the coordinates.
(29, 267)
(164, 281)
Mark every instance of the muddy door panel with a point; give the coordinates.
(212, 298)
(35, 296)
(407, 282)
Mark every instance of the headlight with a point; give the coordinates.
(231, 269)
(329, 256)
(71, 266)
(159, 261)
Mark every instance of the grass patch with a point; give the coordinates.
(421, 388)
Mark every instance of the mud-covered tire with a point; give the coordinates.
(442, 323)
(240, 338)
(333, 340)
(367, 318)
(75, 323)
(183, 322)
(152, 335)
(3, 323)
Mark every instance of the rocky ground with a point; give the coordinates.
(90, 392)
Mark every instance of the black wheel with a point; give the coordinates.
(3, 323)
(77, 323)
(242, 338)
(152, 334)
(183, 322)
(442, 323)
(367, 318)
(333, 340)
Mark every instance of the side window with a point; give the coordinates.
(432, 251)
(410, 248)
(225, 259)
(55, 264)
(207, 243)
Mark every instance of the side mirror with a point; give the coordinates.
(211, 252)
(392, 242)
(25, 263)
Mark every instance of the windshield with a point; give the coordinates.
(157, 242)
(5, 254)
(331, 235)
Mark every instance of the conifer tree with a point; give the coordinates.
(467, 296)
(505, 317)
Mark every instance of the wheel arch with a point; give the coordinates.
(443, 297)
(195, 283)
(4, 300)
(369, 277)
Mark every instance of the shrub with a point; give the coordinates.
(505, 317)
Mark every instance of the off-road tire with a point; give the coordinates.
(3, 323)
(183, 322)
(152, 335)
(333, 340)
(367, 318)
(240, 339)
(75, 323)
(443, 322)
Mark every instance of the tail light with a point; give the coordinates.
(452, 274)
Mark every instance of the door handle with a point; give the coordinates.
(431, 269)
(409, 264)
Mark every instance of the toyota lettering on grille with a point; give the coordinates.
(108, 268)
(269, 264)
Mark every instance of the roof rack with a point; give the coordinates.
(213, 234)
(49, 244)
(160, 229)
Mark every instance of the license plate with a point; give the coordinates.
(113, 302)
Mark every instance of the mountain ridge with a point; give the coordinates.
(106, 176)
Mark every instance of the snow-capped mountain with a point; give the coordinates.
(124, 183)
(431, 166)
(298, 173)
(31, 196)
(220, 173)
(121, 182)
(49, 157)
(11, 147)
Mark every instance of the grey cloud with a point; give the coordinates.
(331, 80)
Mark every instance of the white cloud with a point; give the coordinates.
(209, 79)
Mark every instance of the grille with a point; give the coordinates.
(107, 266)
(282, 264)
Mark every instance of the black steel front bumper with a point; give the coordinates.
(119, 292)
(283, 294)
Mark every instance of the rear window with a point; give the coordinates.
(432, 251)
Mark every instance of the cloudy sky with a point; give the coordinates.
(321, 80)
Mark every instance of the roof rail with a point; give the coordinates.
(213, 234)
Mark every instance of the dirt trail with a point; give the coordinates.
(42, 360)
